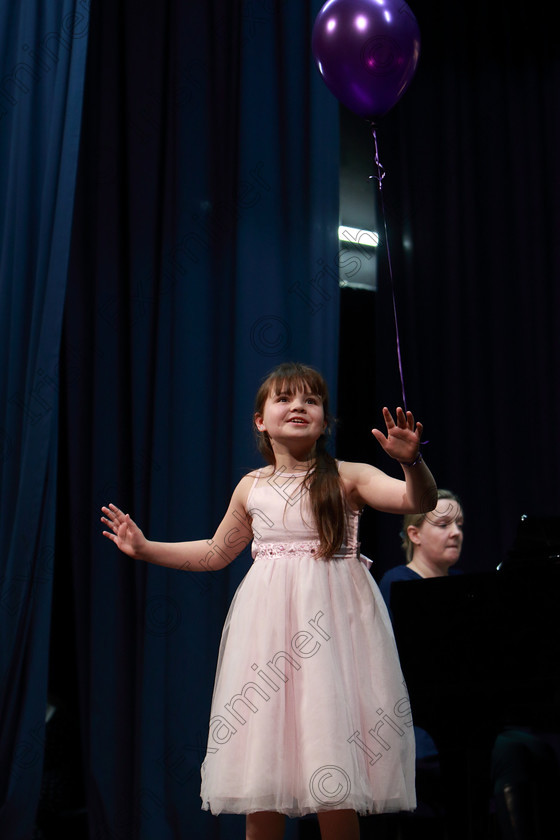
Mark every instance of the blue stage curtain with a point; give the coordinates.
(204, 252)
(42, 55)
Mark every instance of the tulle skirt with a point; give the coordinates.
(310, 711)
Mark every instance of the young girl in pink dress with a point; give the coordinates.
(310, 713)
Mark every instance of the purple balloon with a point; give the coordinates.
(366, 52)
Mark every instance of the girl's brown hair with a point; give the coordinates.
(416, 519)
(322, 479)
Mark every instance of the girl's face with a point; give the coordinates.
(296, 417)
(439, 538)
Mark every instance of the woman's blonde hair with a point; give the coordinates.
(416, 520)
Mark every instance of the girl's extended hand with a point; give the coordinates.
(124, 532)
(403, 437)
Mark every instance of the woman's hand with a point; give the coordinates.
(124, 532)
(402, 441)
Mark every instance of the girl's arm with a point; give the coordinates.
(232, 535)
(368, 485)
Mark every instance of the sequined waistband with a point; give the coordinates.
(305, 549)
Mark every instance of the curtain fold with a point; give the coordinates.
(206, 212)
(43, 52)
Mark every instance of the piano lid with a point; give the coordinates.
(481, 645)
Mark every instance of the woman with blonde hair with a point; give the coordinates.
(432, 543)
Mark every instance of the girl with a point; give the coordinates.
(310, 713)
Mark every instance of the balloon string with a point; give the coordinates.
(379, 178)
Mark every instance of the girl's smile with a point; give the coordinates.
(283, 413)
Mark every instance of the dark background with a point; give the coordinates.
(471, 207)
(203, 218)
(470, 198)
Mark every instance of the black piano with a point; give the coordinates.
(481, 652)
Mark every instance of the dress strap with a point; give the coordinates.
(256, 478)
(253, 485)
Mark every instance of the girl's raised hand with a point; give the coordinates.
(403, 437)
(124, 532)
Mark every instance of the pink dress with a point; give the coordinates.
(310, 711)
